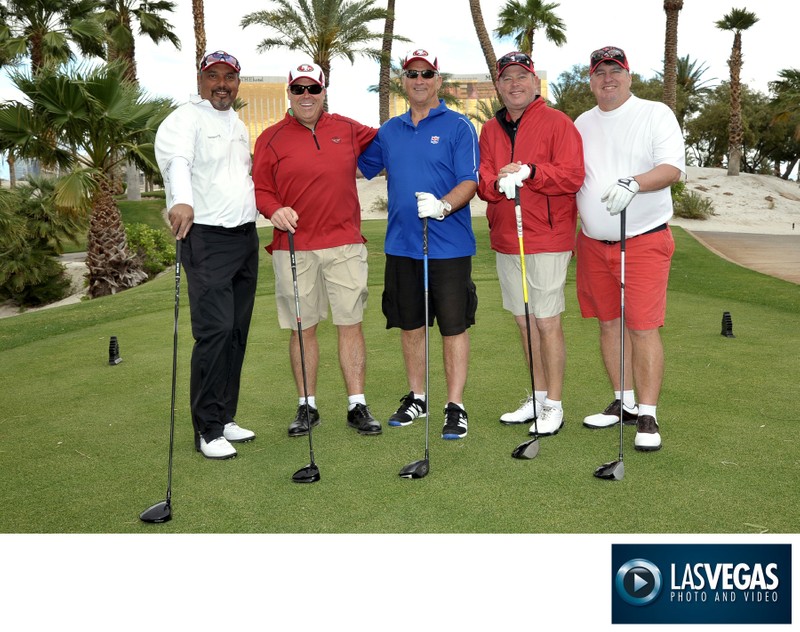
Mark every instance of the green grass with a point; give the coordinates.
(83, 445)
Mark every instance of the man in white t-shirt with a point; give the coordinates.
(633, 153)
(203, 151)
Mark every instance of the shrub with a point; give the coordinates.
(691, 205)
(152, 247)
(33, 231)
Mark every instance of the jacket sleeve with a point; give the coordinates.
(563, 171)
(487, 191)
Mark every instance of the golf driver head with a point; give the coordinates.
(307, 474)
(612, 471)
(527, 450)
(158, 513)
(417, 469)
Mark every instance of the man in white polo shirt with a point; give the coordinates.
(203, 151)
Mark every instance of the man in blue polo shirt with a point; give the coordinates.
(431, 157)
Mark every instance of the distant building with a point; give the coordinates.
(266, 103)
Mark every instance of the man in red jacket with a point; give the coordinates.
(536, 149)
(304, 170)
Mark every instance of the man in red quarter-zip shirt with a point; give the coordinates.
(536, 151)
(304, 170)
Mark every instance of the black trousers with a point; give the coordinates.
(221, 266)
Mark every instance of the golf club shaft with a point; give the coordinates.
(518, 213)
(427, 333)
(174, 366)
(621, 327)
(300, 341)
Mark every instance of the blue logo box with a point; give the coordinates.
(701, 583)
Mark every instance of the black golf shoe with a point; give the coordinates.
(410, 409)
(455, 422)
(299, 427)
(362, 420)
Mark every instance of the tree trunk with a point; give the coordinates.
(672, 9)
(199, 32)
(12, 170)
(134, 189)
(111, 267)
(386, 65)
(484, 40)
(735, 131)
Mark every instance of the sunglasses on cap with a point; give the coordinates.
(220, 57)
(520, 59)
(298, 89)
(608, 53)
(426, 74)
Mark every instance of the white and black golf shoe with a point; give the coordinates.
(610, 416)
(648, 439)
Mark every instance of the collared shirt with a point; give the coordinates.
(434, 156)
(216, 147)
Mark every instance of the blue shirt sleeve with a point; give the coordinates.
(370, 162)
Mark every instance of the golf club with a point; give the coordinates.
(162, 512)
(615, 470)
(528, 449)
(309, 473)
(420, 469)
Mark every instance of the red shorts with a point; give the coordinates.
(647, 262)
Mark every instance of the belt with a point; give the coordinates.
(657, 229)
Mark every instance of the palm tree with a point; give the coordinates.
(87, 121)
(199, 19)
(737, 20)
(672, 8)
(483, 39)
(322, 29)
(691, 87)
(386, 64)
(118, 18)
(787, 95)
(521, 21)
(43, 30)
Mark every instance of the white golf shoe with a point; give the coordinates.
(549, 422)
(220, 448)
(234, 433)
(523, 414)
(648, 439)
(610, 416)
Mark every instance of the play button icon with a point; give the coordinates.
(638, 582)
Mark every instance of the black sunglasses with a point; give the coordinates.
(426, 74)
(297, 89)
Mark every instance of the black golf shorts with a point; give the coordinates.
(452, 297)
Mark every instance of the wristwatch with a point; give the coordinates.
(447, 207)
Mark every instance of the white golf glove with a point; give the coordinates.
(619, 195)
(428, 205)
(512, 181)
